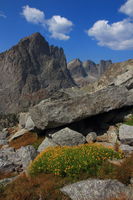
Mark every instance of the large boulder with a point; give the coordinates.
(26, 154)
(73, 105)
(126, 134)
(94, 189)
(68, 137)
(13, 160)
(64, 137)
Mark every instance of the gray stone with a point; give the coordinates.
(45, 144)
(68, 137)
(29, 125)
(126, 148)
(102, 138)
(112, 135)
(74, 105)
(8, 160)
(22, 119)
(3, 142)
(3, 135)
(126, 134)
(26, 154)
(18, 134)
(91, 137)
(94, 189)
(12, 160)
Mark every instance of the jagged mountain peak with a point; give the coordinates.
(31, 71)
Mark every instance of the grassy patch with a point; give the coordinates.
(28, 138)
(129, 121)
(44, 187)
(72, 161)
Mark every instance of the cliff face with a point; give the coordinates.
(87, 71)
(30, 71)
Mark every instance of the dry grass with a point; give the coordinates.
(27, 139)
(122, 172)
(27, 188)
(7, 175)
(125, 171)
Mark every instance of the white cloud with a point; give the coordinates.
(127, 8)
(2, 14)
(33, 15)
(59, 27)
(118, 35)
(114, 36)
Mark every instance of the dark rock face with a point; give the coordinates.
(76, 69)
(103, 66)
(90, 68)
(9, 120)
(29, 72)
(87, 71)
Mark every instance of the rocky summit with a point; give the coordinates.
(30, 71)
(87, 71)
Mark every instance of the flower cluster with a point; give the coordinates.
(72, 161)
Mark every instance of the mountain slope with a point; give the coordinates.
(30, 71)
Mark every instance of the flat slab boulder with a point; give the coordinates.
(126, 134)
(94, 189)
(73, 105)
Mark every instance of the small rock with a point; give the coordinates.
(126, 148)
(126, 134)
(3, 135)
(22, 119)
(29, 125)
(102, 138)
(47, 142)
(131, 181)
(3, 142)
(91, 137)
(112, 134)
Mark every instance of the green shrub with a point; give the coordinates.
(72, 161)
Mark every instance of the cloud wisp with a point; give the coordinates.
(2, 14)
(118, 35)
(59, 27)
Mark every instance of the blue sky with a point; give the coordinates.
(86, 29)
